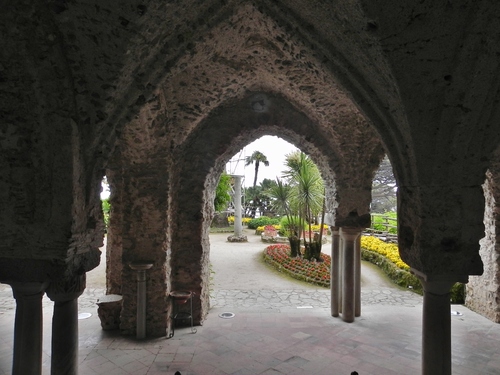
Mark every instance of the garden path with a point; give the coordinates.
(241, 280)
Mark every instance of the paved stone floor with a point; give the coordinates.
(296, 298)
(286, 329)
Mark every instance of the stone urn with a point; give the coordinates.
(180, 298)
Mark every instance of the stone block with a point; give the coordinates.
(109, 309)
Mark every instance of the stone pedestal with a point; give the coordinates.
(108, 310)
(141, 268)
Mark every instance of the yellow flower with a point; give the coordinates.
(389, 250)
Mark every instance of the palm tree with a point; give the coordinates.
(258, 196)
(257, 157)
(282, 202)
(308, 192)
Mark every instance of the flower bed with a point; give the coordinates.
(386, 256)
(313, 272)
(244, 220)
(374, 250)
(263, 228)
(388, 250)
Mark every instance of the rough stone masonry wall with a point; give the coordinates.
(482, 291)
(144, 184)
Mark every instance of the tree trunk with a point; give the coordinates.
(312, 250)
(294, 246)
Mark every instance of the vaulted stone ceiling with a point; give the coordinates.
(120, 52)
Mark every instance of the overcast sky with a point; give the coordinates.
(275, 150)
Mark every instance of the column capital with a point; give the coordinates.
(67, 288)
(141, 266)
(350, 233)
(438, 284)
(21, 288)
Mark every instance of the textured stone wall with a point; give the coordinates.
(143, 240)
(483, 291)
(142, 177)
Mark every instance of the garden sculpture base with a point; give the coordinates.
(109, 309)
(234, 238)
(273, 239)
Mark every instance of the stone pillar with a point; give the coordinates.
(436, 324)
(28, 327)
(357, 277)
(141, 297)
(335, 273)
(341, 270)
(349, 236)
(238, 229)
(64, 357)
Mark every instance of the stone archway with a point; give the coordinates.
(213, 143)
(482, 291)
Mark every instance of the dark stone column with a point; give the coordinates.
(436, 323)
(357, 277)
(349, 236)
(64, 357)
(335, 273)
(28, 327)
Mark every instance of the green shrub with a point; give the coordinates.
(284, 225)
(262, 221)
(458, 293)
(379, 222)
(222, 196)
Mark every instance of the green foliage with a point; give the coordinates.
(262, 221)
(257, 199)
(257, 157)
(301, 198)
(457, 294)
(385, 221)
(222, 196)
(288, 222)
(106, 208)
(307, 195)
